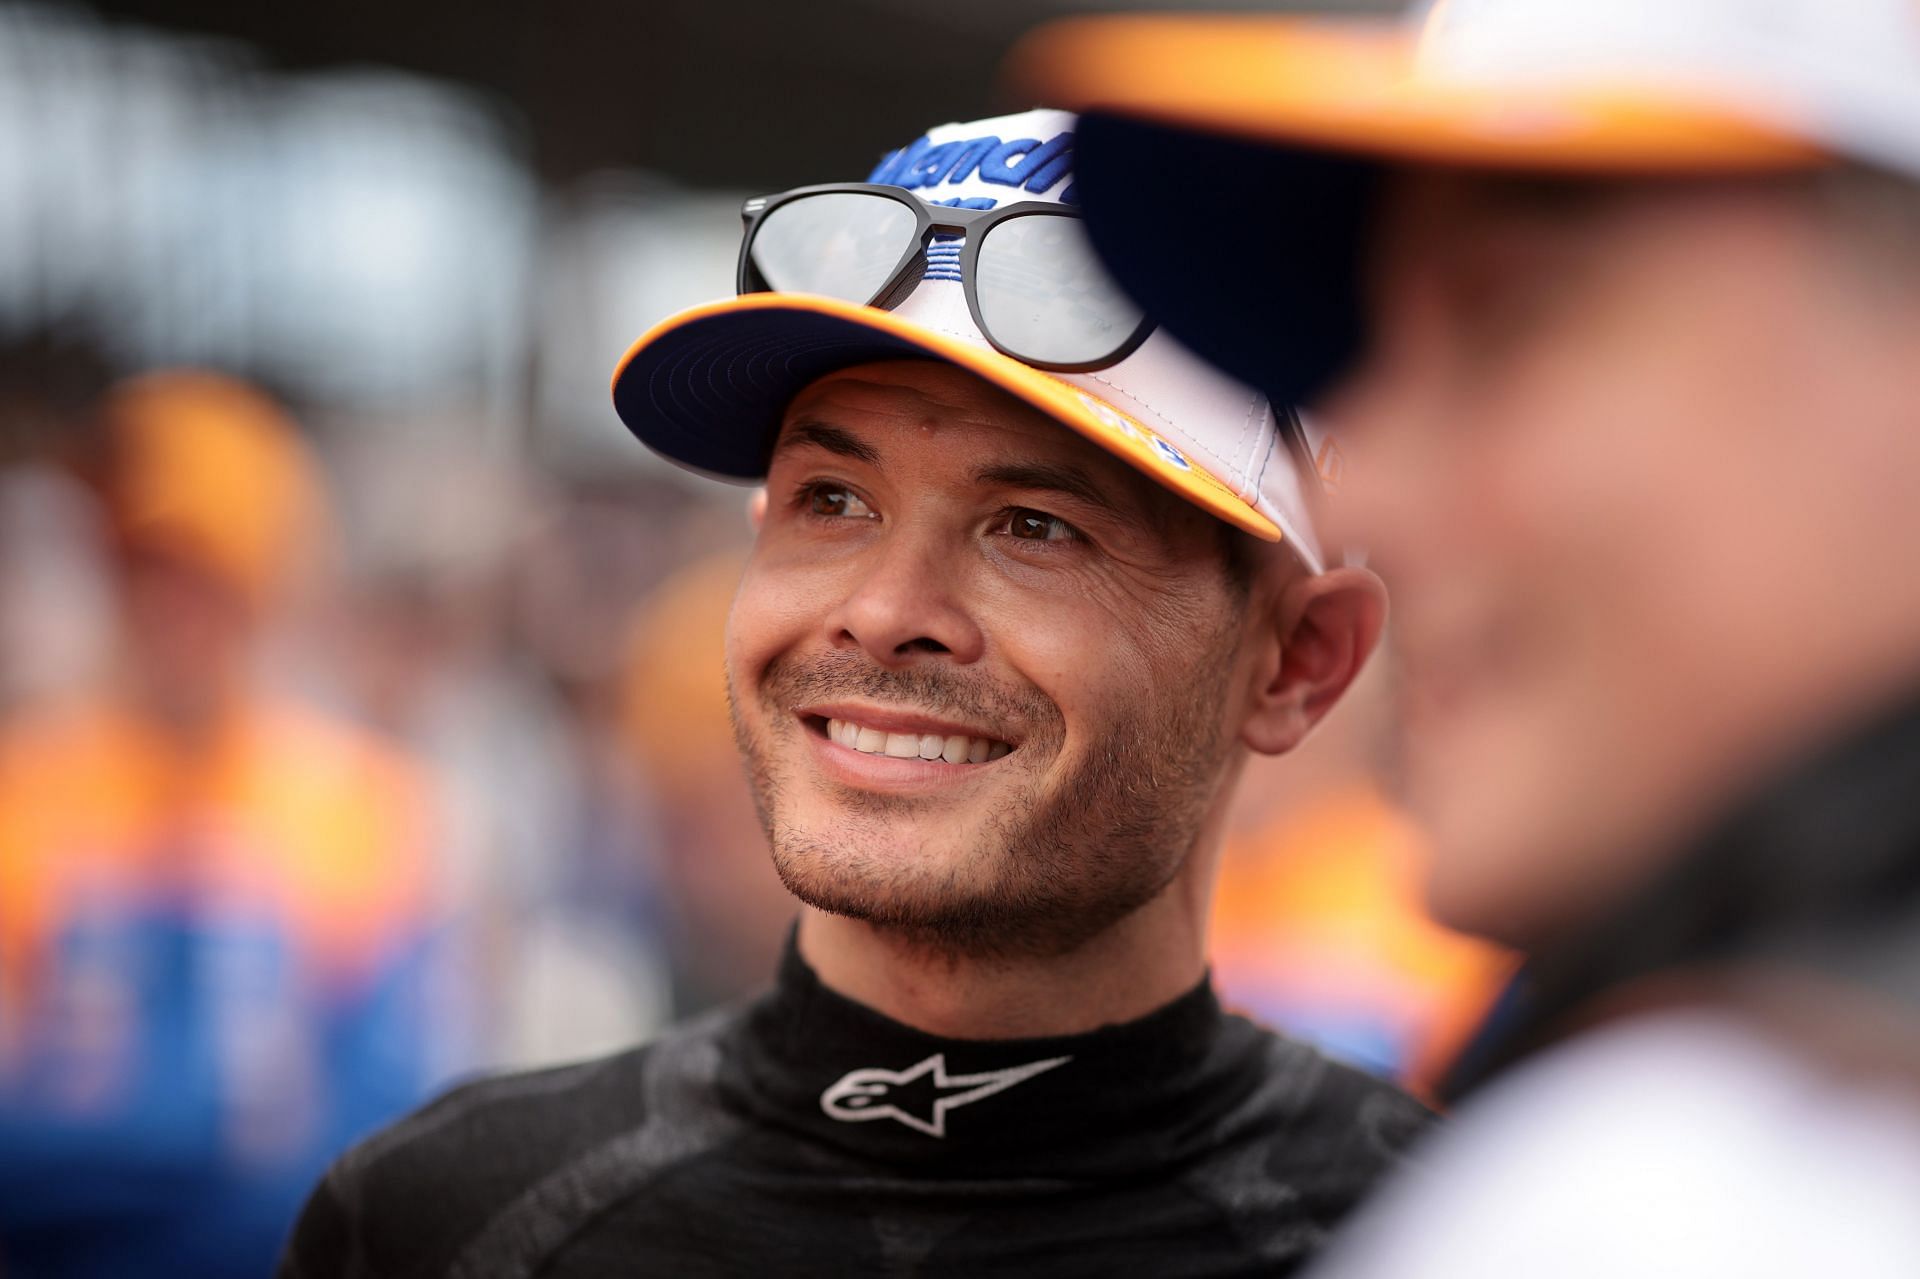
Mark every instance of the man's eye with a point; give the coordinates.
(1038, 526)
(825, 499)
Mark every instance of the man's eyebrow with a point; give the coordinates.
(1069, 480)
(834, 439)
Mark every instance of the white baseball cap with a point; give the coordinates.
(1302, 114)
(707, 387)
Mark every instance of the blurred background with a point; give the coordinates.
(361, 721)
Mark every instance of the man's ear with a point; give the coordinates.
(1322, 629)
(757, 508)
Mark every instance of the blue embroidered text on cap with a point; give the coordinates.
(1029, 162)
(1020, 162)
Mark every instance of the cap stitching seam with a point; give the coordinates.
(1266, 459)
(1252, 488)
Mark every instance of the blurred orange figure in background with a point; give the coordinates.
(730, 911)
(215, 906)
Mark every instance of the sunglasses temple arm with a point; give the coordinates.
(1295, 435)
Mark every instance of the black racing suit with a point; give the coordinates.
(808, 1135)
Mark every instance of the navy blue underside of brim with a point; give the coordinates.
(710, 394)
(1247, 252)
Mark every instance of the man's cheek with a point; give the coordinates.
(1048, 657)
(771, 614)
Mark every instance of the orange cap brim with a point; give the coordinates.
(694, 350)
(1352, 86)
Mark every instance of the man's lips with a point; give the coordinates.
(893, 719)
(903, 735)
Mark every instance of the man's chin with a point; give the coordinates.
(920, 896)
(958, 902)
(881, 857)
(1514, 868)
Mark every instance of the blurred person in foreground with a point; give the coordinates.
(214, 905)
(1625, 346)
(1320, 927)
(1003, 641)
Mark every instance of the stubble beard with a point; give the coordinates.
(1043, 873)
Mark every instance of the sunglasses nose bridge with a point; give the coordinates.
(940, 254)
(948, 230)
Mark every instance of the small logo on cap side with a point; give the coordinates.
(1172, 454)
(1110, 417)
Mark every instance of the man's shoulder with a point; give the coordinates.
(1304, 1089)
(500, 1126)
(1324, 1128)
(411, 1198)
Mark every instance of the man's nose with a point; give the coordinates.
(906, 601)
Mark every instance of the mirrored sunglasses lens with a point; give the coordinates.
(839, 243)
(1044, 295)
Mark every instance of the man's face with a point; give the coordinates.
(980, 670)
(1615, 449)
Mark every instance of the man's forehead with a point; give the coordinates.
(1442, 211)
(1437, 224)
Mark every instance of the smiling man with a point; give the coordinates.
(1029, 584)
(1002, 739)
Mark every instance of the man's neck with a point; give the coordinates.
(1143, 963)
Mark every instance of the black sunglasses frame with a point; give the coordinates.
(907, 273)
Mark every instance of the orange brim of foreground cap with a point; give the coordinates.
(707, 387)
(1352, 86)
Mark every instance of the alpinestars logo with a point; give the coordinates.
(873, 1093)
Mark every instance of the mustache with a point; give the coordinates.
(967, 696)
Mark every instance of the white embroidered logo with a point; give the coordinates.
(867, 1093)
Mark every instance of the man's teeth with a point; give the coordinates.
(927, 746)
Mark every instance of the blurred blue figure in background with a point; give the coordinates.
(219, 959)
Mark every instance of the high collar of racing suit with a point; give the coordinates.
(1126, 1096)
